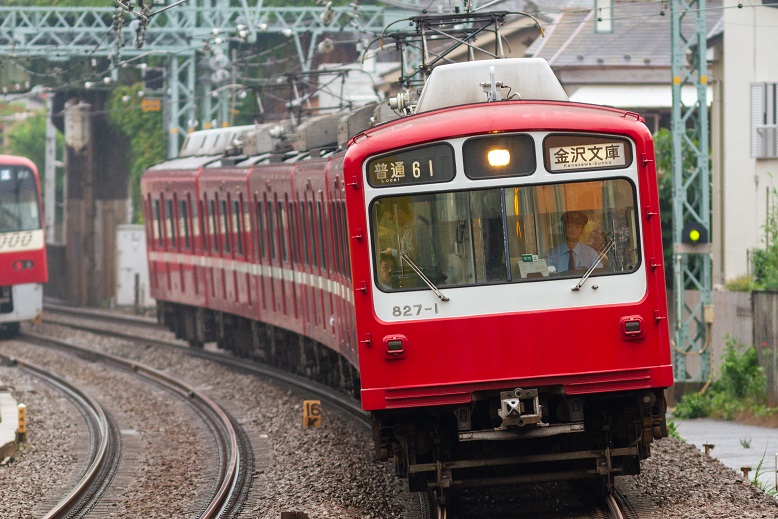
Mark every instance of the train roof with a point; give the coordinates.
(470, 82)
(183, 163)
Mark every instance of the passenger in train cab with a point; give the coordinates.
(386, 267)
(572, 254)
(415, 238)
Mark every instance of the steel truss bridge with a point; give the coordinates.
(177, 34)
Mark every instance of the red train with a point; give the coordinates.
(23, 267)
(426, 266)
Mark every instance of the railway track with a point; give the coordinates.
(233, 450)
(612, 506)
(104, 448)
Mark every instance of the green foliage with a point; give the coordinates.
(28, 138)
(672, 431)
(765, 261)
(741, 375)
(145, 130)
(744, 283)
(767, 489)
(693, 405)
(741, 386)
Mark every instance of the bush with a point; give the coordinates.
(741, 386)
(693, 405)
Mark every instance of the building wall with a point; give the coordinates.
(750, 43)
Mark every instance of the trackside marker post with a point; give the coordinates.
(21, 428)
(311, 413)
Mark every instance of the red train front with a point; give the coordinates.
(489, 353)
(23, 267)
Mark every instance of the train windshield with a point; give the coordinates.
(505, 235)
(18, 199)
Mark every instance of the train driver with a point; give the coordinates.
(572, 254)
(386, 267)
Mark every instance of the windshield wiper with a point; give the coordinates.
(591, 268)
(424, 278)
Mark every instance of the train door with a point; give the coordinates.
(275, 293)
(305, 258)
(154, 235)
(315, 260)
(167, 239)
(243, 225)
(287, 232)
(260, 251)
(215, 248)
(226, 250)
(278, 231)
(322, 221)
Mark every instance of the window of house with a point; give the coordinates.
(764, 120)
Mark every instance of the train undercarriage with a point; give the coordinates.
(272, 345)
(520, 436)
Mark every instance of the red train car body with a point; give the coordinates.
(481, 357)
(23, 266)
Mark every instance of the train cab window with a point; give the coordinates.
(170, 223)
(507, 234)
(237, 225)
(18, 199)
(183, 223)
(224, 229)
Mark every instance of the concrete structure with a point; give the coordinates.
(742, 59)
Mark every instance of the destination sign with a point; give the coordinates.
(576, 153)
(423, 165)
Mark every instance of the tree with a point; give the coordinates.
(145, 130)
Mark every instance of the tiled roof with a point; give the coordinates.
(640, 33)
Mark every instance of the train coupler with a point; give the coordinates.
(520, 407)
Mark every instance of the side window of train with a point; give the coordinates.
(292, 231)
(203, 225)
(260, 231)
(343, 232)
(304, 235)
(157, 229)
(271, 228)
(170, 223)
(335, 239)
(312, 234)
(320, 233)
(183, 219)
(246, 216)
(214, 226)
(237, 226)
(224, 229)
(282, 228)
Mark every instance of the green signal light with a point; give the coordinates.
(694, 233)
